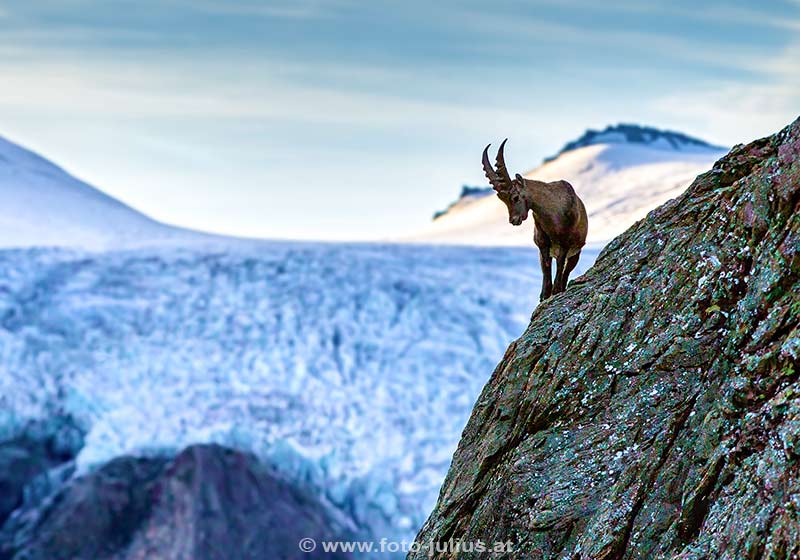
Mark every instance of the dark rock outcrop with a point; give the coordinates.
(467, 194)
(209, 502)
(637, 134)
(25, 460)
(653, 409)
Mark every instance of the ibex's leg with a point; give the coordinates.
(560, 264)
(572, 262)
(547, 273)
(543, 242)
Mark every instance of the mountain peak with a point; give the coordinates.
(637, 134)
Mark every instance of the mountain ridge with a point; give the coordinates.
(44, 205)
(636, 134)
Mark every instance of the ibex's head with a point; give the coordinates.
(508, 190)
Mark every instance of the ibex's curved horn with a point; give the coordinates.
(494, 180)
(500, 164)
(497, 181)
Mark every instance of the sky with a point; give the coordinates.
(345, 119)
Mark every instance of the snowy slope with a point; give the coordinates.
(619, 180)
(354, 367)
(45, 206)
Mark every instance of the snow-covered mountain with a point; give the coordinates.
(42, 205)
(639, 135)
(621, 173)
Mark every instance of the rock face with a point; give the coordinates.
(653, 409)
(209, 502)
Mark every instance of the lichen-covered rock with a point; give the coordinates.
(653, 409)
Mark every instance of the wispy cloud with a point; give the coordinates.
(711, 12)
(210, 90)
(743, 110)
(630, 42)
(741, 15)
(289, 9)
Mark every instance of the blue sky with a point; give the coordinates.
(348, 119)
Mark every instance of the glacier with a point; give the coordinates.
(352, 367)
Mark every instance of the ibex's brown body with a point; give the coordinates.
(560, 221)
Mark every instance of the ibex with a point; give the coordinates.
(560, 222)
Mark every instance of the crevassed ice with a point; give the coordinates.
(352, 367)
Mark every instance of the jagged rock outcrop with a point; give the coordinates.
(209, 502)
(467, 194)
(653, 409)
(637, 134)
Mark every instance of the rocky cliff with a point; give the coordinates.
(653, 409)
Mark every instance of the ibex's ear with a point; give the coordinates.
(519, 180)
